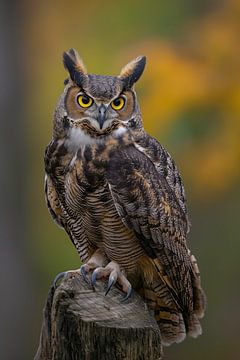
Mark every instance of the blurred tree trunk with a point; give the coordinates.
(15, 284)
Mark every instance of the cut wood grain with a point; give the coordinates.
(82, 323)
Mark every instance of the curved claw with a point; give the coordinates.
(112, 281)
(58, 277)
(84, 274)
(128, 294)
(94, 277)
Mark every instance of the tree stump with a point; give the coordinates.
(80, 323)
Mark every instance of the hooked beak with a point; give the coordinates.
(101, 115)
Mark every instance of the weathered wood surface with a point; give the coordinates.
(82, 324)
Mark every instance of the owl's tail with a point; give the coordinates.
(168, 317)
(199, 297)
(174, 323)
(193, 326)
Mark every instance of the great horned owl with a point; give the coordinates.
(118, 194)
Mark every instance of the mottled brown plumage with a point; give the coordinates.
(119, 196)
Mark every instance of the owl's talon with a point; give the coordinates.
(112, 281)
(58, 277)
(84, 274)
(96, 260)
(94, 277)
(129, 292)
(115, 275)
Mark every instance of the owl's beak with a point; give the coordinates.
(101, 115)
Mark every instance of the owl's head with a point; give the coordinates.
(94, 106)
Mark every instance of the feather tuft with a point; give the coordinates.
(131, 72)
(75, 66)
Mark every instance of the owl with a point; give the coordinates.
(119, 196)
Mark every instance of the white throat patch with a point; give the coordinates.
(120, 131)
(78, 138)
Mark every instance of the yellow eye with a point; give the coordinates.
(118, 103)
(84, 100)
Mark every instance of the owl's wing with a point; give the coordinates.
(51, 196)
(164, 165)
(52, 201)
(149, 204)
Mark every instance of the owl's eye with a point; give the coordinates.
(84, 100)
(118, 103)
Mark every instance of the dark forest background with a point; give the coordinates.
(190, 100)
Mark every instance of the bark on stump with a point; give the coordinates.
(82, 324)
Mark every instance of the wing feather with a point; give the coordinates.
(148, 204)
(52, 202)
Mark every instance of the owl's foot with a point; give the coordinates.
(61, 275)
(58, 277)
(96, 260)
(115, 275)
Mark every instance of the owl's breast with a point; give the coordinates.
(86, 198)
(93, 214)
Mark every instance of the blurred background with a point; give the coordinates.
(190, 100)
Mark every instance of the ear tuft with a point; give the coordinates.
(75, 66)
(131, 72)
